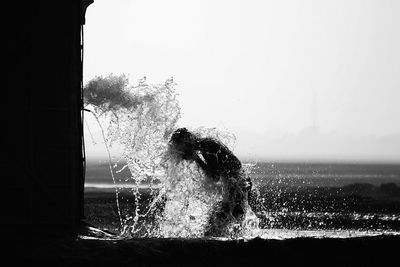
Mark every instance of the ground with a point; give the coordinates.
(58, 246)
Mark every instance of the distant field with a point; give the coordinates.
(285, 174)
(290, 196)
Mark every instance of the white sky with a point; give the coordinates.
(264, 70)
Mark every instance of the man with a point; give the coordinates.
(219, 164)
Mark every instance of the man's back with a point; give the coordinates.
(219, 159)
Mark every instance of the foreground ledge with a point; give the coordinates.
(63, 247)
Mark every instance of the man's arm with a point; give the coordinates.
(205, 168)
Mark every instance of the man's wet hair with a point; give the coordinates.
(181, 135)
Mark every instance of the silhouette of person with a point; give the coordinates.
(219, 164)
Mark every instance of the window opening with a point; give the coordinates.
(140, 188)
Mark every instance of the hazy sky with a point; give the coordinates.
(291, 79)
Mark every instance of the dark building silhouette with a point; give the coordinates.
(42, 158)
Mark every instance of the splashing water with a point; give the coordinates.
(168, 197)
(178, 201)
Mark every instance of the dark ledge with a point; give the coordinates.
(57, 246)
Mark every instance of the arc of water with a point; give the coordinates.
(110, 167)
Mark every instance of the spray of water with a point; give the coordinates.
(178, 201)
(169, 197)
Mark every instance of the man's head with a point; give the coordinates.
(183, 143)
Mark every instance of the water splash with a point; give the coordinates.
(111, 170)
(168, 197)
(177, 201)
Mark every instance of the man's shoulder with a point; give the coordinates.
(214, 146)
(211, 144)
(209, 141)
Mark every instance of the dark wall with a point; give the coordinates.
(42, 169)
